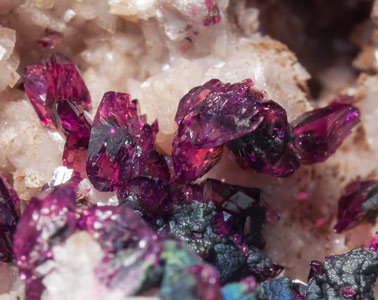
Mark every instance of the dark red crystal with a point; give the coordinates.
(191, 163)
(120, 141)
(55, 79)
(268, 148)
(226, 113)
(46, 221)
(360, 198)
(9, 214)
(320, 132)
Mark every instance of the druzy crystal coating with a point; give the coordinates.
(47, 221)
(358, 202)
(9, 211)
(318, 133)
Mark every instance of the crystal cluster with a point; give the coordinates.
(169, 231)
(256, 131)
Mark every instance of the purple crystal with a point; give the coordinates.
(208, 283)
(34, 289)
(115, 227)
(50, 39)
(120, 141)
(318, 133)
(46, 221)
(222, 223)
(267, 149)
(9, 212)
(213, 16)
(316, 268)
(191, 163)
(359, 199)
(147, 195)
(194, 97)
(55, 79)
(131, 247)
(77, 131)
(226, 113)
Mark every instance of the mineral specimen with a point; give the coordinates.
(318, 133)
(360, 201)
(54, 80)
(47, 221)
(120, 139)
(345, 276)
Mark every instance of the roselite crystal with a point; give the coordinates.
(149, 196)
(191, 163)
(318, 133)
(55, 79)
(77, 131)
(213, 16)
(9, 215)
(268, 148)
(359, 202)
(226, 113)
(120, 140)
(131, 247)
(47, 221)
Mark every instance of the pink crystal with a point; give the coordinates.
(318, 133)
(9, 212)
(348, 292)
(55, 79)
(77, 131)
(226, 113)
(352, 206)
(50, 39)
(46, 221)
(120, 140)
(213, 16)
(191, 163)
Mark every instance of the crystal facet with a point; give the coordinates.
(46, 221)
(267, 149)
(318, 133)
(120, 140)
(359, 200)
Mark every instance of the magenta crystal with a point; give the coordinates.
(131, 247)
(147, 195)
(77, 131)
(50, 39)
(46, 221)
(268, 148)
(115, 227)
(213, 16)
(55, 79)
(318, 133)
(120, 142)
(348, 292)
(9, 212)
(226, 113)
(190, 163)
(359, 198)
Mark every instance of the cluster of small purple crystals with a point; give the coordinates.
(168, 231)
(254, 129)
